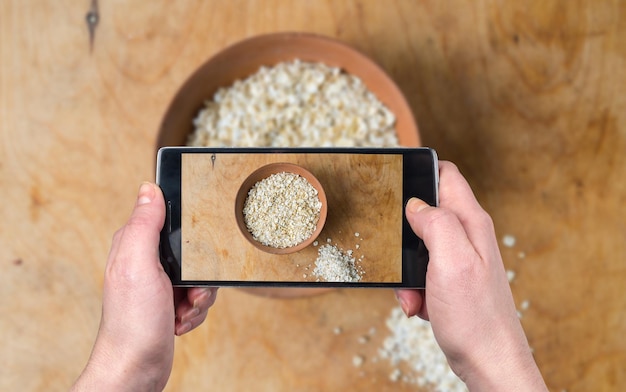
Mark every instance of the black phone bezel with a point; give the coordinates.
(420, 179)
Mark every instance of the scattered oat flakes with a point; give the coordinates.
(508, 240)
(525, 305)
(412, 347)
(358, 360)
(333, 265)
(510, 275)
(395, 375)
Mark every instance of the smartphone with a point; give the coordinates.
(366, 240)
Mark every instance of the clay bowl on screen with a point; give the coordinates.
(263, 173)
(244, 58)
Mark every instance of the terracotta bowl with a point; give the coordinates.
(246, 57)
(261, 174)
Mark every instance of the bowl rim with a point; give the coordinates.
(263, 172)
(184, 100)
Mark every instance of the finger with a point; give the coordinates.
(197, 300)
(457, 196)
(444, 236)
(193, 309)
(190, 320)
(139, 237)
(411, 301)
(182, 326)
(185, 315)
(454, 190)
(202, 297)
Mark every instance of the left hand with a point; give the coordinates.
(141, 312)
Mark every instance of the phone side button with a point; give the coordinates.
(168, 217)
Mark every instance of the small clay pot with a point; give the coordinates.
(261, 174)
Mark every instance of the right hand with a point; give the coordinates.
(468, 299)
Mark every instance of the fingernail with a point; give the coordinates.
(146, 194)
(415, 205)
(194, 312)
(205, 296)
(403, 305)
(183, 329)
(191, 313)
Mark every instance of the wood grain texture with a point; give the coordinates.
(526, 97)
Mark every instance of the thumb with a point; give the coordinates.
(135, 246)
(149, 211)
(413, 208)
(442, 233)
(434, 225)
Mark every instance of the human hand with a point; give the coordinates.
(467, 298)
(141, 312)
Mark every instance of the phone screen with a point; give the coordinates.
(365, 240)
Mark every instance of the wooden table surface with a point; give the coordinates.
(526, 97)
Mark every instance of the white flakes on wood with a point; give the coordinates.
(282, 210)
(333, 265)
(337, 330)
(510, 275)
(295, 104)
(412, 347)
(358, 360)
(395, 375)
(525, 305)
(508, 240)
